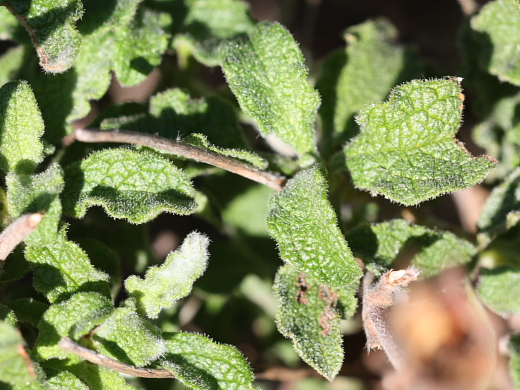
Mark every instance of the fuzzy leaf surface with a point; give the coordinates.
(266, 72)
(364, 71)
(62, 269)
(499, 288)
(128, 184)
(13, 367)
(73, 318)
(51, 26)
(127, 337)
(305, 227)
(64, 380)
(431, 251)
(502, 209)
(173, 280)
(208, 27)
(406, 150)
(21, 127)
(203, 364)
(308, 315)
(28, 310)
(498, 27)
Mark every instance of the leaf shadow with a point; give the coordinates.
(114, 349)
(189, 370)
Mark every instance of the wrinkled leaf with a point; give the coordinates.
(406, 150)
(267, 73)
(305, 227)
(64, 380)
(499, 289)
(50, 25)
(14, 368)
(431, 251)
(202, 364)
(173, 280)
(73, 318)
(128, 184)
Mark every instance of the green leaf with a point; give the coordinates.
(406, 150)
(498, 28)
(21, 127)
(209, 26)
(8, 25)
(267, 73)
(33, 193)
(165, 284)
(127, 337)
(96, 377)
(50, 25)
(62, 269)
(11, 61)
(13, 367)
(501, 211)
(64, 380)
(304, 225)
(28, 310)
(202, 364)
(73, 318)
(7, 315)
(366, 70)
(431, 251)
(499, 289)
(514, 363)
(130, 184)
(308, 314)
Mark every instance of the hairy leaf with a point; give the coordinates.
(208, 27)
(28, 310)
(64, 380)
(50, 25)
(266, 72)
(21, 127)
(366, 70)
(7, 315)
(98, 377)
(73, 318)
(406, 150)
(135, 185)
(431, 251)
(14, 368)
(498, 29)
(308, 314)
(304, 225)
(62, 269)
(499, 289)
(202, 364)
(127, 337)
(173, 280)
(502, 209)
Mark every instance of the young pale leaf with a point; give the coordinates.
(73, 318)
(366, 70)
(267, 74)
(62, 269)
(21, 127)
(173, 280)
(209, 26)
(127, 337)
(130, 184)
(431, 251)
(502, 209)
(50, 25)
(499, 289)
(498, 28)
(202, 364)
(304, 225)
(15, 365)
(308, 314)
(64, 380)
(28, 310)
(406, 150)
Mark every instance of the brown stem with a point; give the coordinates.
(101, 360)
(17, 231)
(272, 180)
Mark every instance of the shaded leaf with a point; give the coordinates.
(267, 73)
(165, 284)
(406, 150)
(7, 315)
(135, 185)
(202, 364)
(304, 225)
(28, 310)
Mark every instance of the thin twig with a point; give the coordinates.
(17, 231)
(272, 180)
(101, 360)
